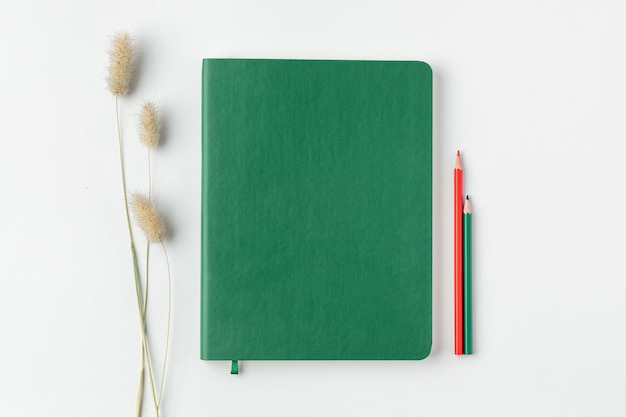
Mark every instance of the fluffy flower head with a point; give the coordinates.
(149, 125)
(120, 64)
(148, 217)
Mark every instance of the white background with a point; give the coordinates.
(532, 92)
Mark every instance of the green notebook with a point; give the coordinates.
(316, 209)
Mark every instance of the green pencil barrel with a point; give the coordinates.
(467, 283)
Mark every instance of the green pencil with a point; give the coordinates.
(467, 277)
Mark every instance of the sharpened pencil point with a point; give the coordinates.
(467, 208)
(457, 164)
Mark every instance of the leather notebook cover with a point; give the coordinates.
(316, 209)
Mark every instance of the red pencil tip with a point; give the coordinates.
(458, 153)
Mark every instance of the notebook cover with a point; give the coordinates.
(316, 209)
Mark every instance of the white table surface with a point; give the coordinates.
(534, 95)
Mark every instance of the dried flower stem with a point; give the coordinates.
(119, 142)
(144, 338)
(143, 356)
(142, 321)
(169, 316)
(149, 219)
(145, 305)
(169, 287)
(139, 402)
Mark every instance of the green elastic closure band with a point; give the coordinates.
(234, 368)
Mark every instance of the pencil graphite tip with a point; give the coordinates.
(467, 208)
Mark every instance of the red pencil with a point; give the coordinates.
(458, 256)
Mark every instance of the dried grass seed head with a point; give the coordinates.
(147, 217)
(149, 125)
(120, 64)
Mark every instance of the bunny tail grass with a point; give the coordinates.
(148, 217)
(149, 125)
(142, 320)
(120, 65)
